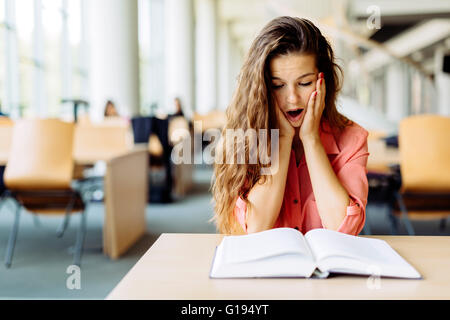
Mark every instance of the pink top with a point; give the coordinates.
(348, 157)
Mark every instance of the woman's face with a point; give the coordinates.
(293, 79)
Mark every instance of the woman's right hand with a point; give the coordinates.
(287, 131)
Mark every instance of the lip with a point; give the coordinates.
(294, 118)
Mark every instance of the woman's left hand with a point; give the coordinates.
(309, 128)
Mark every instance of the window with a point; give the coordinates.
(3, 31)
(51, 56)
(24, 28)
(77, 72)
(2, 11)
(42, 50)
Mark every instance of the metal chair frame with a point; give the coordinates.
(81, 233)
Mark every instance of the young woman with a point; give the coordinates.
(110, 109)
(290, 82)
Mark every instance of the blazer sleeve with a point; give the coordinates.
(353, 177)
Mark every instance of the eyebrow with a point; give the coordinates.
(306, 74)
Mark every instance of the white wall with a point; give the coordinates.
(179, 54)
(205, 56)
(113, 56)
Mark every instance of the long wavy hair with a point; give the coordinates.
(252, 107)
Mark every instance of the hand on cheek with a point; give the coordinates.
(310, 125)
(286, 129)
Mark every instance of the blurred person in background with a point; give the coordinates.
(178, 108)
(110, 109)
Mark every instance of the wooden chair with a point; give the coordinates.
(38, 176)
(101, 141)
(6, 129)
(155, 147)
(425, 169)
(94, 142)
(215, 119)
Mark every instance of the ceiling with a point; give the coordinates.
(346, 20)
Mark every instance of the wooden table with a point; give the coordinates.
(381, 157)
(177, 267)
(126, 192)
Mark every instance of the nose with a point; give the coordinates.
(293, 97)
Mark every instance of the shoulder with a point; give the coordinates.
(352, 134)
(355, 130)
(352, 139)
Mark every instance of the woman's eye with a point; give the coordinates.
(306, 84)
(277, 86)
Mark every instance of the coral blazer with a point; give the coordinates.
(348, 157)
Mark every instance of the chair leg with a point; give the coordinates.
(393, 221)
(80, 239)
(4, 197)
(36, 221)
(367, 228)
(408, 224)
(62, 228)
(12, 238)
(442, 224)
(2, 200)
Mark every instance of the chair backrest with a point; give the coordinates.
(6, 130)
(178, 129)
(5, 121)
(94, 142)
(425, 153)
(215, 119)
(376, 135)
(155, 147)
(41, 155)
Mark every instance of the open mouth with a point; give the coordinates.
(294, 115)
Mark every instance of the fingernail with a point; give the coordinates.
(321, 75)
(320, 81)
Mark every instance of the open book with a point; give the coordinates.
(286, 252)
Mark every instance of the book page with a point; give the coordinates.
(255, 246)
(280, 252)
(287, 265)
(361, 255)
